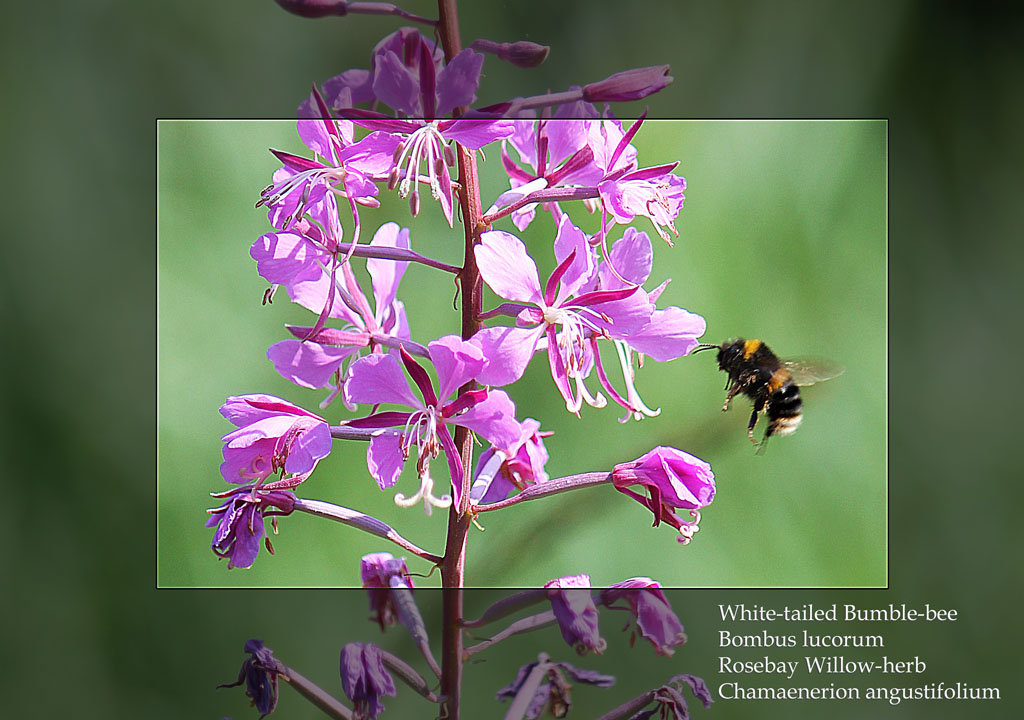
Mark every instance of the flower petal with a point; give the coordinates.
(457, 361)
(507, 268)
(670, 334)
(493, 419)
(308, 364)
(508, 351)
(386, 274)
(377, 379)
(458, 81)
(384, 459)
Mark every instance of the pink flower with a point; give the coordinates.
(552, 153)
(576, 613)
(315, 357)
(239, 522)
(501, 470)
(376, 379)
(569, 319)
(673, 479)
(273, 436)
(651, 610)
(380, 572)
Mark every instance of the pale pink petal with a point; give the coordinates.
(308, 364)
(458, 81)
(374, 379)
(507, 268)
(311, 445)
(508, 351)
(494, 419)
(386, 274)
(286, 258)
(384, 459)
(671, 333)
(569, 239)
(457, 361)
(632, 258)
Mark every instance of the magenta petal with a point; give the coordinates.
(373, 155)
(458, 81)
(507, 268)
(457, 361)
(245, 409)
(384, 459)
(508, 351)
(568, 240)
(377, 379)
(386, 274)
(395, 85)
(311, 445)
(286, 258)
(315, 136)
(474, 134)
(632, 257)
(671, 333)
(308, 364)
(451, 453)
(494, 419)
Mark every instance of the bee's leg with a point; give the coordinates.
(751, 424)
(733, 392)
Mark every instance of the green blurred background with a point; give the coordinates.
(782, 237)
(90, 635)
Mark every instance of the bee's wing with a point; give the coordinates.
(807, 371)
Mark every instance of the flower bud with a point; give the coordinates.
(315, 8)
(524, 54)
(628, 85)
(672, 479)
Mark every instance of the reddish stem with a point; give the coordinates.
(453, 567)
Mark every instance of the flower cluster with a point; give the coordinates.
(595, 317)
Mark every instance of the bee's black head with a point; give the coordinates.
(730, 353)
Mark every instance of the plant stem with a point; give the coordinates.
(453, 567)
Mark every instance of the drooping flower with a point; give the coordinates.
(576, 613)
(651, 610)
(501, 470)
(239, 521)
(554, 691)
(673, 480)
(317, 358)
(670, 703)
(273, 436)
(364, 679)
(376, 379)
(571, 321)
(380, 572)
(259, 673)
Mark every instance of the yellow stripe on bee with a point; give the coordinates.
(779, 378)
(750, 347)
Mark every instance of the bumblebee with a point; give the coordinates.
(772, 384)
